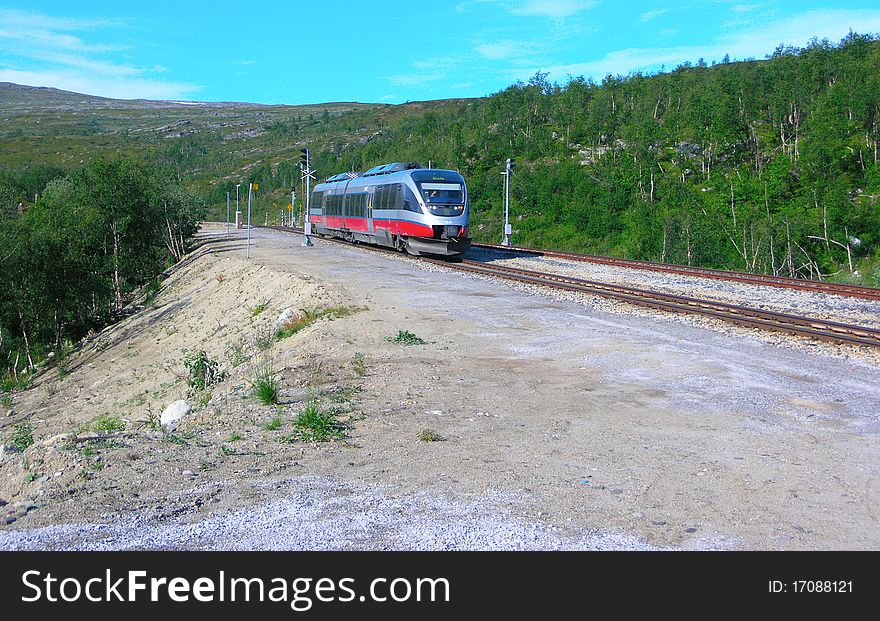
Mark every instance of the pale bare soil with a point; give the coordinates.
(561, 425)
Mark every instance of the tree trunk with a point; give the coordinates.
(27, 346)
(117, 290)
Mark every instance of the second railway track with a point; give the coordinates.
(808, 327)
(783, 282)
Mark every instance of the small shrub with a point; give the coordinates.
(358, 365)
(264, 385)
(429, 435)
(23, 436)
(404, 337)
(203, 371)
(6, 401)
(316, 425)
(107, 423)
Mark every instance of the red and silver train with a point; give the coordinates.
(400, 205)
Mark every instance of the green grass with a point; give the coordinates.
(314, 424)
(235, 437)
(23, 436)
(274, 424)
(107, 423)
(307, 317)
(405, 337)
(264, 385)
(259, 308)
(430, 435)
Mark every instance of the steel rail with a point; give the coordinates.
(855, 291)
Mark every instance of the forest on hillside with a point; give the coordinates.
(766, 166)
(763, 165)
(72, 258)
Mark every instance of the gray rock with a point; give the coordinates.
(3, 502)
(658, 522)
(9, 519)
(188, 473)
(173, 413)
(8, 448)
(690, 530)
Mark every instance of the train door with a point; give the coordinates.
(369, 210)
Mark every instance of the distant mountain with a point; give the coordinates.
(47, 97)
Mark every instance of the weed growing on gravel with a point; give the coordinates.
(235, 437)
(107, 423)
(264, 385)
(23, 436)
(358, 365)
(316, 425)
(263, 339)
(226, 450)
(235, 352)
(430, 435)
(273, 425)
(6, 401)
(259, 308)
(405, 337)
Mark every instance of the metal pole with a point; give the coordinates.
(505, 240)
(291, 214)
(227, 214)
(250, 193)
(307, 224)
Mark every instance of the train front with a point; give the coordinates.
(443, 197)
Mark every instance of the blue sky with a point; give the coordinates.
(320, 51)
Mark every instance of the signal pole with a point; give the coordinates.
(507, 228)
(291, 213)
(306, 166)
(227, 214)
(237, 208)
(250, 194)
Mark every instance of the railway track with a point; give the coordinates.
(808, 327)
(816, 286)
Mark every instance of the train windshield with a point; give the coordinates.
(434, 192)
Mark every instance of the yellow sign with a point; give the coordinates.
(289, 207)
(256, 186)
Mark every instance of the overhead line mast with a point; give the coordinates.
(305, 166)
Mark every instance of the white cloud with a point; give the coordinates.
(41, 50)
(497, 51)
(413, 79)
(833, 24)
(105, 86)
(649, 15)
(552, 8)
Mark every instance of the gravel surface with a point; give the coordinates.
(311, 513)
(796, 302)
